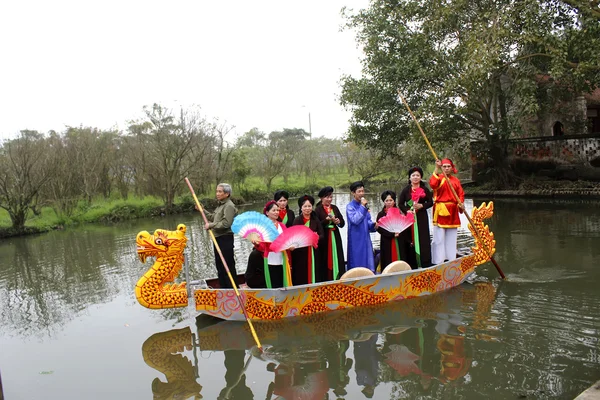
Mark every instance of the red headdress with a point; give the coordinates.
(268, 206)
(449, 161)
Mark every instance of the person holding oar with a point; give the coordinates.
(446, 208)
(455, 195)
(220, 223)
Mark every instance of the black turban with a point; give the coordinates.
(326, 191)
(387, 193)
(356, 185)
(308, 197)
(415, 169)
(281, 193)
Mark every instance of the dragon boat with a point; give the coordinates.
(155, 288)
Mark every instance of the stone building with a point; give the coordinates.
(561, 142)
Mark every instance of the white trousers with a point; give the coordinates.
(443, 246)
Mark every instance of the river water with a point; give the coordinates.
(71, 328)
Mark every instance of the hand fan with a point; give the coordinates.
(395, 221)
(295, 236)
(254, 226)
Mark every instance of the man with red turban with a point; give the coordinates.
(445, 211)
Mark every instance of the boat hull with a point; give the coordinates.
(273, 304)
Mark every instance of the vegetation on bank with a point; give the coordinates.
(102, 210)
(64, 170)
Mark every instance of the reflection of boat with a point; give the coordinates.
(307, 356)
(153, 291)
(356, 324)
(160, 352)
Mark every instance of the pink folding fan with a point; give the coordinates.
(295, 236)
(395, 221)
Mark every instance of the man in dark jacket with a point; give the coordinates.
(222, 218)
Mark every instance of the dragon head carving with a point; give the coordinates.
(167, 247)
(161, 243)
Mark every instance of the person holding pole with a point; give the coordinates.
(446, 208)
(471, 224)
(222, 258)
(221, 220)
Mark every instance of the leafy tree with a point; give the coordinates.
(470, 69)
(240, 166)
(169, 148)
(122, 171)
(366, 163)
(253, 138)
(89, 149)
(25, 169)
(65, 189)
(223, 150)
(279, 153)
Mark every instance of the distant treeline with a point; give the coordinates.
(154, 155)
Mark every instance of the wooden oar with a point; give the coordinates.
(475, 231)
(237, 293)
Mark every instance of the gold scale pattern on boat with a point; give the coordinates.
(153, 290)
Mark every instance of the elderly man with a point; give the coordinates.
(222, 218)
(360, 247)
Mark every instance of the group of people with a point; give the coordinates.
(267, 269)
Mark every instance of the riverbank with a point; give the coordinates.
(539, 189)
(115, 210)
(103, 211)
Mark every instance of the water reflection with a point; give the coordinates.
(162, 351)
(539, 338)
(410, 344)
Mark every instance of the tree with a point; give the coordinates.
(469, 68)
(25, 169)
(222, 149)
(168, 149)
(240, 168)
(279, 153)
(367, 163)
(65, 189)
(89, 150)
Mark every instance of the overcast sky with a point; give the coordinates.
(265, 64)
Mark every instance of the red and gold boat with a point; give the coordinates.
(156, 290)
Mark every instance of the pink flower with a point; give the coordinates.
(417, 194)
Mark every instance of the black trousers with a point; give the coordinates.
(226, 244)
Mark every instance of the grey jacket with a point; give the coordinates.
(222, 218)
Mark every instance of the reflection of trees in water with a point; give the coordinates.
(48, 279)
(547, 241)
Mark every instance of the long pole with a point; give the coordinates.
(475, 231)
(214, 240)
